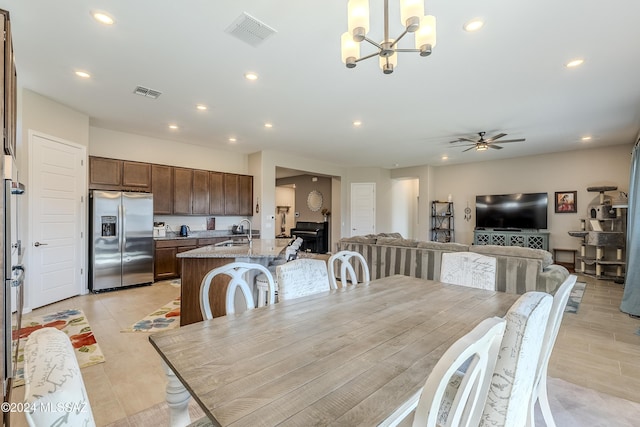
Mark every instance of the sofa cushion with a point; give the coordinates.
(394, 241)
(396, 235)
(450, 247)
(514, 251)
(366, 239)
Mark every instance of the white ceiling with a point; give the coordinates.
(508, 77)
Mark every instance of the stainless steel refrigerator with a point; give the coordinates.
(122, 239)
(11, 258)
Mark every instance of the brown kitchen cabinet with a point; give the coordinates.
(182, 191)
(8, 85)
(166, 265)
(200, 193)
(136, 176)
(245, 195)
(162, 189)
(105, 174)
(123, 175)
(216, 193)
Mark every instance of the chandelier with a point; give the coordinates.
(412, 18)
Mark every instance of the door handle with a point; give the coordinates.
(36, 244)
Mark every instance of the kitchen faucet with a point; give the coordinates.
(250, 233)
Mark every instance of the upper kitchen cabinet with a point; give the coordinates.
(136, 176)
(114, 174)
(200, 197)
(8, 92)
(105, 174)
(182, 191)
(162, 189)
(245, 194)
(216, 193)
(238, 194)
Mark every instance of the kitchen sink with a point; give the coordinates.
(239, 242)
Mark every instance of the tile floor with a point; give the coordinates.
(596, 348)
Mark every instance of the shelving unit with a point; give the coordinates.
(442, 228)
(602, 252)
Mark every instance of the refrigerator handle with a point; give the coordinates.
(120, 229)
(123, 221)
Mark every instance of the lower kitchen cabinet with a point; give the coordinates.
(166, 264)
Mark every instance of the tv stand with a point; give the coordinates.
(512, 237)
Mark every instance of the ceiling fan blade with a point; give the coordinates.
(497, 147)
(493, 138)
(470, 148)
(463, 140)
(512, 140)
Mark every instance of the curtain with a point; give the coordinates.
(631, 297)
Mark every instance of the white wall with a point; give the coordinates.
(567, 171)
(404, 202)
(128, 146)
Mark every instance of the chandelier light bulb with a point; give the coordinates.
(350, 50)
(410, 13)
(426, 35)
(358, 18)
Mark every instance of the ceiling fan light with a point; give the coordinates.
(358, 18)
(410, 13)
(350, 50)
(482, 147)
(426, 35)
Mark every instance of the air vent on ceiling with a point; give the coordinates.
(249, 29)
(145, 91)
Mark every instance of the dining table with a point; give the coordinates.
(344, 357)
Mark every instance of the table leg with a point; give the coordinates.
(177, 398)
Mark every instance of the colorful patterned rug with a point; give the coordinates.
(74, 323)
(166, 317)
(575, 298)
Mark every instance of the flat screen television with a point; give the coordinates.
(512, 211)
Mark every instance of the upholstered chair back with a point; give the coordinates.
(301, 277)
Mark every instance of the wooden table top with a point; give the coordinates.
(345, 357)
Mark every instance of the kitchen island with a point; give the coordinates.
(197, 263)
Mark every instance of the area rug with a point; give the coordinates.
(575, 298)
(166, 317)
(72, 322)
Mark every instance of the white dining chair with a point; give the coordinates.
(301, 277)
(238, 272)
(347, 269)
(468, 269)
(539, 394)
(509, 396)
(53, 380)
(478, 351)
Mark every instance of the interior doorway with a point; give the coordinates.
(404, 207)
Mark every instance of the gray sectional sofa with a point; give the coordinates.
(518, 270)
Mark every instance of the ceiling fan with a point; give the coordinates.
(484, 144)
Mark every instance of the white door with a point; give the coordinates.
(363, 208)
(57, 186)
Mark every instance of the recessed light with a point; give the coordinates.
(574, 63)
(174, 127)
(201, 107)
(474, 25)
(251, 76)
(83, 74)
(445, 157)
(586, 138)
(102, 17)
(232, 139)
(268, 125)
(357, 123)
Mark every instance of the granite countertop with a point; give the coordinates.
(205, 234)
(260, 248)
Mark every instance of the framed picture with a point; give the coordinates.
(566, 201)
